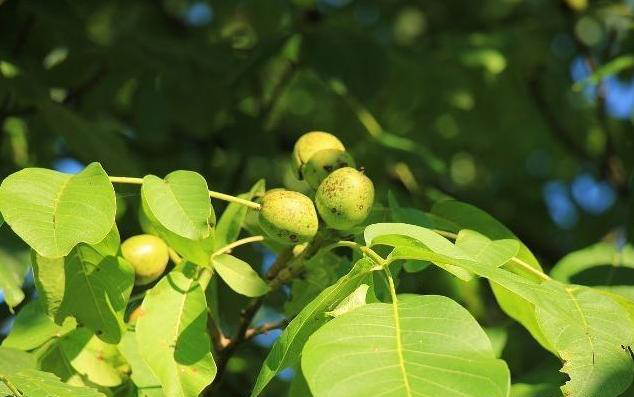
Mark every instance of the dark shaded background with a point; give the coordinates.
(521, 107)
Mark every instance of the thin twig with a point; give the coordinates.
(229, 247)
(212, 194)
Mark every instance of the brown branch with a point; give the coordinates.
(264, 328)
(289, 267)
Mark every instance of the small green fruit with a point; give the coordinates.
(344, 199)
(309, 144)
(323, 163)
(288, 217)
(148, 255)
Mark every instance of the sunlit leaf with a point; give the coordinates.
(172, 334)
(53, 212)
(142, 375)
(383, 233)
(13, 269)
(32, 328)
(466, 216)
(239, 276)
(484, 250)
(97, 361)
(100, 289)
(423, 345)
(180, 202)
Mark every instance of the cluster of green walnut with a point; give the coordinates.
(343, 197)
(343, 194)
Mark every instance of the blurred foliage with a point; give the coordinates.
(468, 99)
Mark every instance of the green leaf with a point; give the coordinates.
(109, 246)
(482, 249)
(33, 383)
(12, 272)
(95, 360)
(196, 251)
(422, 346)
(588, 330)
(50, 280)
(100, 289)
(53, 212)
(602, 266)
(583, 327)
(287, 349)
(381, 233)
(355, 299)
(15, 360)
(239, 276)
(32, 328)
(172, 334)
(230, 223)
(180, 203)
(466, 216)
(142, 375)
(11, 361)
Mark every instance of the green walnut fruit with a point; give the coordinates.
(148, 255)
(322, 163)
(288, 217)
(344, 198)
(309, 144)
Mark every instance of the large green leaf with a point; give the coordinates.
(53, 212)
(239, 276)
(180, 203)
(142, 376)
(32, 328)
(419, 346)
(13, 269)
(601, 265)
(100, 363)
(590, 333)
(584, 328)
(287, 349)
(11, 361)
(376, 233)
(172, 333)
(100, 286)
(465, 216)
(230, 223)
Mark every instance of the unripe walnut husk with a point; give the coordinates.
(148, 255)
(345, 198)
(288, 217)
(309, 144)
(324, 162)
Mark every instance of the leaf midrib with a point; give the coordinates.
(399, 347)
